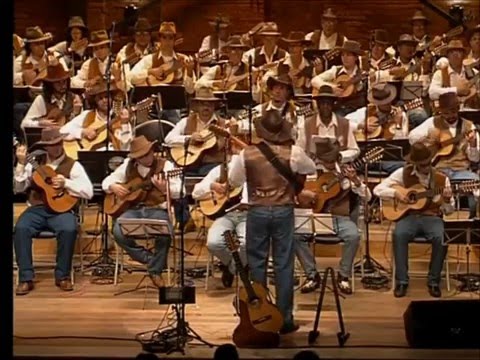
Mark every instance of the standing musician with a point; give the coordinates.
(351, 51)
(344, 208)
(455, 162)
(270, 217)
(57, 105)
(473, 38)
(327, 124)
(70, 176)
(427, 222)
(142, 162)
(328, 37)
(269, 51)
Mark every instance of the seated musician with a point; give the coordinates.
(453, 76)
(234, 220)
(427, 222)
(378, 45)
(85, 125)
(18, 46)
(269, 52)
(327, 124)
(328, 37)
(351, 51)
(190, 129)
(455, 162)
(93, 70)
(473, 38)
(75, 47)
(218, 38)
(71, 177)
(57, 105)
(144, 163)
(271, 213)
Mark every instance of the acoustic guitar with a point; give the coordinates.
(114, 205)
(260, 320)
(190, 154)
(168, 75)
(328, 185)
(446, 144)
(419, 198)
(57, 200)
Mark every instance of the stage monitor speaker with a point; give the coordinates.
(443, 324)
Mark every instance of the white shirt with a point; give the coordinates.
(78, 184)
(423, 130)
(17, 66)
(125, 67)
(206, 44)
(326, 43)
(328, 77)
(251, 52)
(300, 163)
(384, 75)
(358, 117)
(61, 48)
(436, 89)
(119, 177)
(177, 136)
(78, 81)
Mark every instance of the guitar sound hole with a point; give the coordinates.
(48, 180)
(412, 198)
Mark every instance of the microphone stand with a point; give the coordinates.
(250, 88)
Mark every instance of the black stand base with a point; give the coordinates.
(469, 282)
(103, 269)
(370, 265)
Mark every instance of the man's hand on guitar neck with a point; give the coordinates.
(306, 198)
(159, 182)
(58, 182)
(196, 138)
(219, 188)
(351, 174)
(398, 72)
(119, 190)
(463, 89)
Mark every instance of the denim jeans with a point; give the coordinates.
(273, 225)
(416, 117)
(39, 218)
(156, 261)
(347, 230)
(462, 175)
(171, 115)
(234, 221)
(406, 229)
(305, 256)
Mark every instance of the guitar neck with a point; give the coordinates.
(243, 275)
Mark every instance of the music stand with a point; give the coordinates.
(25, 93)
(410, 90)
(173, 96)
(32, 135)
(235, 100)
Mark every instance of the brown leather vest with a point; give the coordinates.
(35, 194)
(157, 62)
(317, 34)
(266, 186)
(341, 132)
(152, 196)
(89, 119)
(242, 69)
(438, 181)
(306, 73)
(260, 59)
(67, 107)
(215, 154)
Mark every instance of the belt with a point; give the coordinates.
(243, 207)
(262, 194)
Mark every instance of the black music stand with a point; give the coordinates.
(25, 94)
(235, 100)
(172, 96)
(32, 136)
(155, 130)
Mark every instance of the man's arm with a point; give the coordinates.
(73, 129)
(79, 183)
(384, 190)
(202, 189)
(237, 173)
(177, 136)
(117, 177)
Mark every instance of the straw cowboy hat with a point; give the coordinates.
(140, 146)
(272, 127)
(18, 43)
(352, 47)
(221, 21)
(98, 38)
(296, 37)
(76, 21)
(205, 94)
(269, 29)
(419, 154)
(329, 14)
(455, 45)
(235, 42)
(325, 91)
(142, 25)
(283, 79)
(418, 15)
(382, 94)
(380, 36)
(50, 136)
(327, 149)
(407, 39)
(56, 73)
(36, 34)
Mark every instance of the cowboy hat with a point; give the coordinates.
(380, 36)
(455, 45)
(283, 79)
(205, 94)
(235, 42)
(56, 73)
(296, 37)
(102, 88)
(418, 15)
(382, 94)
(140, 146)
(406, 39)
(98, 38)
(221, 21)
(50, 136)
(329, 14)
(419, 154)
(325, 91)
(76, 21)
(168, 27)
(142, 25)
(352, 47)
(327, 149)
(448, 100)
(273, 128)
(269, 29)
(36, 34)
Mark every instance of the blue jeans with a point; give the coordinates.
(234, 221)
(34, 220)
(171, 115)
(416, 117)
(275, 225)
(156, 261)
(462, 175)
(409, 227)
(305, 256)
(347, 230)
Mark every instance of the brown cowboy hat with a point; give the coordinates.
(140, 146)
(327, 149)
(418, 15)
(273, 128)
(269, 29)
(352, 47)
(99, 37)
(448, 101)
(102, 88)
(50, 136)
(382, 94)
(455, 45)
(329, 14)
(296, 37)
(36, 34)
(235, 42)
(18, 43)
(380, 36)
(56, 73)
(419, 154)
(325, 91)
(283, 79)
(221, 21)
(142, 25)
(76, 21)
(407, 39)
(168, 27)
(205, 94)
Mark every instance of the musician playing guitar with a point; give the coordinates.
(145, 164)
(378, 45)
(271, 198)
(473, 38)
(71, 178)
(427, 222)
(455, 140)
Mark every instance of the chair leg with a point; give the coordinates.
(447, 273)
(117, 260)
(207, 273)
(392, 256)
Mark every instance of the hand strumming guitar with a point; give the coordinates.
(119, 190)
(157, 72)
(471, 137)
(219, 188)
(58, 182)
(46, 122)
(196, 138)
(447, 193)
(159, 182)
(21, 154)
(318, 66)
(402, 197)
(463, 89)
(306, 198)
(372, 124)
(398, 72)
(338, 91)
(89, 134)
(351, 174)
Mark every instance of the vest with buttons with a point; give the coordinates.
(242, 69)
(261, 59)
(158, 61)
(315, 39)
(357, 99)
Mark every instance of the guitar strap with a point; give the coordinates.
(285, 171)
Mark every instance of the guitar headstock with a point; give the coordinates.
(387, 64)
(204, 55)
(174, 173)
(468, 186)
(373, 155)
(306, 110)
(145, 104)
(231, 241)
(332, 54)
(217, 130)
(413, 104)
(456, 31)
(244, 115)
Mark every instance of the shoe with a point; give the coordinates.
(24, 288)
(227, 277)
(157, 280)
(343, 284)
(289, 328)
(434, 291)
(400, 290)
(311, 284)
(64, 284)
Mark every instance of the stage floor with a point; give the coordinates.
(83, 323)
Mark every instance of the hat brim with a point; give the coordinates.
(281, 137)
(103, 42)
(209, 99)
(411, 42)
(241, 47)
(269, 33)
(387, 100)
(271, 81)
(302, 42)
(419, 19)
(333, 17)
(43, 38)
(50, 142)
(81, 26)
(143, 151)
(65, 77)
(220, 25)
(426, 161)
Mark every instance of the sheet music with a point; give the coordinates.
(307, 222)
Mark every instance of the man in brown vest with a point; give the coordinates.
(448, 124)
(145, 164)
(269, 51)
(427, 222)
(328, 37)
(218, 38)
(270, 218)
(39, 217)
(378, 45)
(473, 38)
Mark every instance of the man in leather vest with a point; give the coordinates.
(269, 51)
(328, 37)
(270, 218)
(154, 203)
(427, 222)
(72, 178)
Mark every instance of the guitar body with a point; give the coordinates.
(263, 315)
(326, 187)
(71, 148)
(57, 200)
(153, 81)
(246, 336)
(214, 205)
(193, 151)
(360, 135)
(394, 210)
(115, 206)
(344, 81)
(445, 146)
